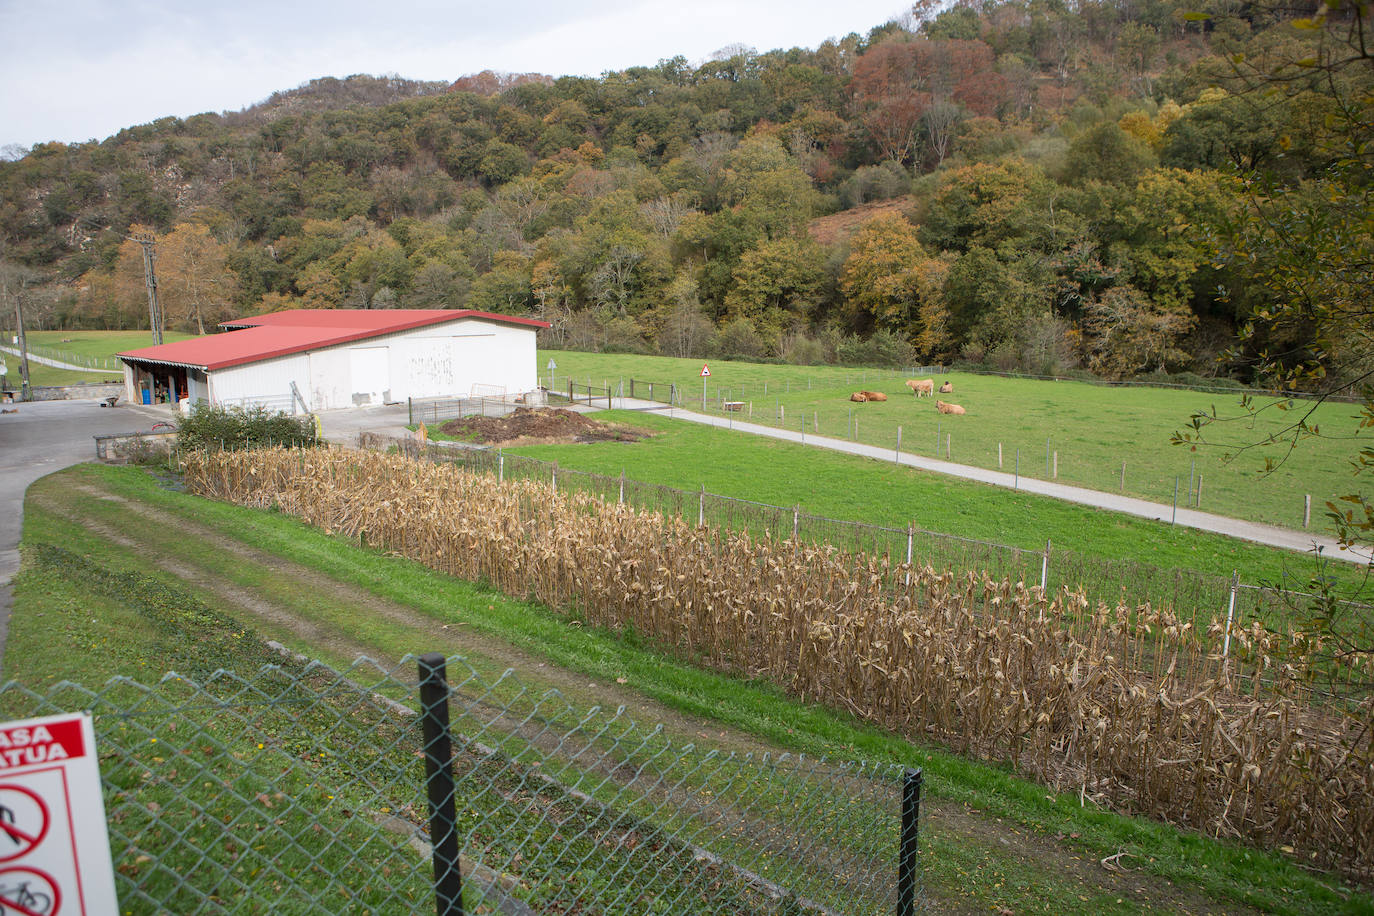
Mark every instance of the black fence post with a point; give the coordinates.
(443, 816)
(906, 859)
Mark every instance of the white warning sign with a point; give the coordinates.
(54, 848)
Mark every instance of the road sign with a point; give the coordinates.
(705, 371)
(552, 365)
(54, 848)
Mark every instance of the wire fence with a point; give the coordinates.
(1193, 596)
(301, 788)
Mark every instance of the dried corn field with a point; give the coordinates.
(1123, 705)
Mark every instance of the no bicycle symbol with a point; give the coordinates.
(29, 892)
(23, 822)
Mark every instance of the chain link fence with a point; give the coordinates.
(298, 788)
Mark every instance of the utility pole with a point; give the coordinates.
(150, 277)
(27, 394)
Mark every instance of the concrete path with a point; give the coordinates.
(1270, 535)
(41, 437)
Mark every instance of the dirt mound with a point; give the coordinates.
(542, 425)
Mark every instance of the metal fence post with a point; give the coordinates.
(910, 536)
(906, 858)
(1045, 567)
(701, 507)
(443, 815)
(1230, 612)
(410, 411)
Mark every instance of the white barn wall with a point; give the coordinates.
(267, 382)
(444, 360)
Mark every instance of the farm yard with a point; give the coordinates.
(990, 841)
(1074, 432)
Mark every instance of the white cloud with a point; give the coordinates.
(86, 68)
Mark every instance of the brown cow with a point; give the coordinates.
(858, 396)
(921, 387)
(873, 395)
(947, 387)
(949, 408)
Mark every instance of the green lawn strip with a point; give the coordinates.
(244, 768)
(688, 456)
(1224, 870)
(111, 621)
(1093, 428)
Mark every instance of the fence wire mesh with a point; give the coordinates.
(298, 788)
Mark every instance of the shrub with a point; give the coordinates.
(212, 426)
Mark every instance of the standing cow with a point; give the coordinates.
(921, 388)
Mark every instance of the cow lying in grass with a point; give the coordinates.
(949, 408)
(923, 387)
(862, 396)
(947, 387)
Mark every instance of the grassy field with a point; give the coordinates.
(78, 344)
(689, 456)
(100, 343)
(1085, 432)
(991, 842)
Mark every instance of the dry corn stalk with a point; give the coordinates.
(1122, 704)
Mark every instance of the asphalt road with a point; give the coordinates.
(41, 437)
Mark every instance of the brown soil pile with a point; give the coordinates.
(538, 425)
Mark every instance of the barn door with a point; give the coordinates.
(371, 375)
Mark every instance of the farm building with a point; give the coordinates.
(319, 359)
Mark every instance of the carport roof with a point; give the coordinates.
(261, 337)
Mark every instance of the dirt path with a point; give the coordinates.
(943, 820)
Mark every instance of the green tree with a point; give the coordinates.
(1306, 247)
(777, 284)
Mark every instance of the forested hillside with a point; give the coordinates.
(1090, 185)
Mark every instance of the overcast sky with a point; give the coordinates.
(83, 69)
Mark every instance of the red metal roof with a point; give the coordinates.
(297, 330)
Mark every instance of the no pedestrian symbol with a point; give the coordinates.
(23, 822)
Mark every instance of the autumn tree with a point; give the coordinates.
(194, 279)
(880, 279)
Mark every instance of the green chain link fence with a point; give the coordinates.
(298, 788)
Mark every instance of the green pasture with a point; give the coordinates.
(690, 456)
(1075, 432)
(78, 344)
(41, 375)
(99, 343)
